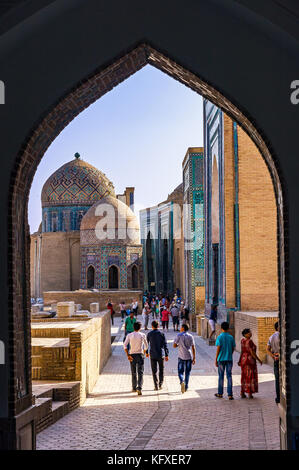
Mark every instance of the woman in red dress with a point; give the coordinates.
(247, 362)
(110, 307)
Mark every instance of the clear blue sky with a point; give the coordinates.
(137, 134)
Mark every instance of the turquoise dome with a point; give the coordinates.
(76, 183)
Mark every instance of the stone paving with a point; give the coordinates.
(115, 418)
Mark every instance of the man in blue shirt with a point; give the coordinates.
(224, 360)
(157, 342)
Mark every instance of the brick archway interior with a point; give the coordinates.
(62, 113)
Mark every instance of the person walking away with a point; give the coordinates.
(247, 362)
(157, 343)
(165, 318)
(110, 307)
(153, 308)
(175, 312)
(157, 310)
(224, 360)
(129, 325)
(212, 320)
(135, 307)
(273, 348)
(138, 345)
(186, 357)
(122, 307)
(147, 312)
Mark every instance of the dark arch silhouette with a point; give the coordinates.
(134, 277)
(82, 87)
(90, 277)
(113, 281)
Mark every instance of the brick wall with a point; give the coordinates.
(82, 355)
(85, 298)
(258, 230)
(229, 195)
(59, 261)
(262, 327)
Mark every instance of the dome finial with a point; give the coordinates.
(77, 155)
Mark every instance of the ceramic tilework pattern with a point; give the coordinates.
(194, 195)
(101, 258)
(77, 182)
(68, 218)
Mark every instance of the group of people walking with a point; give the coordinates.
(138, 345)
(163, 308)
(124, 312)
(154, 346)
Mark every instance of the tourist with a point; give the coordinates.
(186, 357)
(129, 324)
(146, 313)
(153, 307)
(122, 307)
(273, 348)
(157, 342)
(224, 360)
(161, 307)
(112, 312)
(247, 362)
(175, 314)
(165, 318)
(138, 345)
(135, 307)
(157, 310)
(185, 313)
(212, 320)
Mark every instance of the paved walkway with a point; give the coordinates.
(115, 418)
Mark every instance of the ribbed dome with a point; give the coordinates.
(122, 224)
(76, 183)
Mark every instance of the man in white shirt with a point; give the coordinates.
(138, 346)
(135, 307)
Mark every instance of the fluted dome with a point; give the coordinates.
(122, 226)
(76, 183)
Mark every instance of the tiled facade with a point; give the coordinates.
(103, 257)
(193, 219)
(161, 238)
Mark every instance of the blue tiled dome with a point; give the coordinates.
(76, 183)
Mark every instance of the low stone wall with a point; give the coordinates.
(260, 323)
(262, 327)
(85, 298)
(69, 352)
(198, 324)
(92, 343)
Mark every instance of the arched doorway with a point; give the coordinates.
(134, 277)
(49, 127)
(113, 277)
(90, 277)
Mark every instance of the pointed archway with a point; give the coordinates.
(72, 98)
